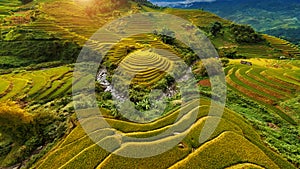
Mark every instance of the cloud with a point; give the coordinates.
(179, 2)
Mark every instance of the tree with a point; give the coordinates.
(190, 58)
(224, 62)
(26, 1)
(216, 28)
(245, 34)
(14, 121)
(144, 104)
(27, 131)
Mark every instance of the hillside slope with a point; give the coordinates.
(49, 31)
(275, 17)
(77, 150)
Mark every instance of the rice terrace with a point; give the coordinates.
(40, 96)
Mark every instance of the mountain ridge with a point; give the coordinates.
(274, 17)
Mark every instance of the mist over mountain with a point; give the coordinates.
(276, 17)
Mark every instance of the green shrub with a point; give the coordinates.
(216, 28)
(245, 34)
(224, 62)
(27, 130)
(40, 51)
(26, 1)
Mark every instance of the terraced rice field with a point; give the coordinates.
(4, 86)
(148, 67)
(258, 50)
(50, 26)
(141, 41)
(202, 19)
(77, 149)
(269, 86)
(73, 23)
(135, 56)
(41, 84)
(288, 48)
(7, 5)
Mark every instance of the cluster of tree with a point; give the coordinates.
(138, 93)
(28, 130)
(20, 34)
(168, 37)
(190, 57)
(26, 1)
(230, 53)
(245, 34)
(164, 83)
(216, 28)
(187, 54)
(145, 99)
(44, 47)
(14, 121)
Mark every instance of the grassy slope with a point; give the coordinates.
(40, 85)
(7, 5)
(273, 17)
(74, 24)
(222, 141)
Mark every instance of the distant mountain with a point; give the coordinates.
(276, 17)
